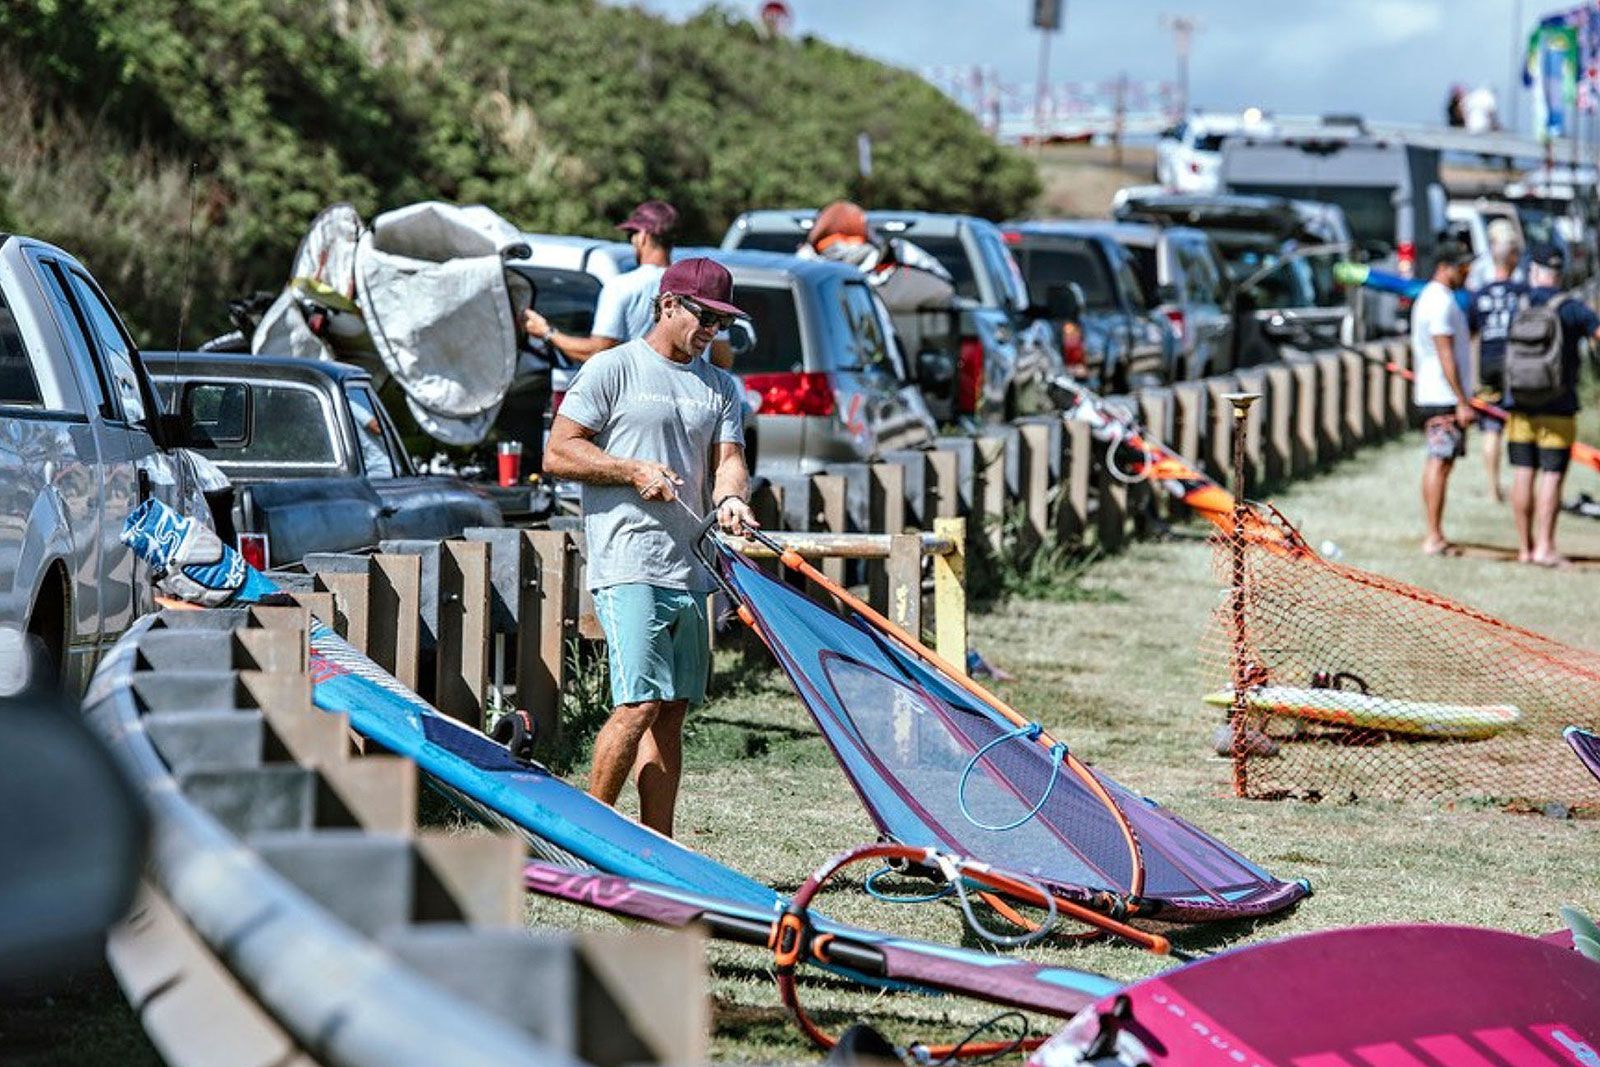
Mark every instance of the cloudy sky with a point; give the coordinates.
(1387, 59)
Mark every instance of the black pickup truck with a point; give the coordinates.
(315, 462)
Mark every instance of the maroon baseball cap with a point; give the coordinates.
(705, 281)
(654, 217)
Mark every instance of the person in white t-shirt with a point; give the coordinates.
(1441, 353)
(624, 309)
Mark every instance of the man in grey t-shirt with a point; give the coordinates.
(636, 429)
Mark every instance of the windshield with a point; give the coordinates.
(952, 255)
(777, 348)
(1144, 268)
(870, 341)
(1290, 285)
(565, 297)
(1538, 226)
(1069, 262)
(290, 424)
(758, 241)
(17, 385)
(375, 455)
(1368, 209)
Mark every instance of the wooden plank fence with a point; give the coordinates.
(499, 609)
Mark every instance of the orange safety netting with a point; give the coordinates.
(1360, 686)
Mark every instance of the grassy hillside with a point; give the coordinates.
(561, 114)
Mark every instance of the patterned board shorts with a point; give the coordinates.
(1443, 436)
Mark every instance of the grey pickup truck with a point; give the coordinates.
(82, 443)
(315, 462)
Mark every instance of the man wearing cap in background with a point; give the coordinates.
(1541, 429)
(1441, 352)
(623, 311)
(640, 428)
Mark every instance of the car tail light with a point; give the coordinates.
(1072, 344)
(1407, 256)
(555, 400)
(969, 376)
(1179, 325)
(253, 548)
(1194, 166)
(1011, 237)
(805, 393)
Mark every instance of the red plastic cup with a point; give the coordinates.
(510, 463)
(253, 547)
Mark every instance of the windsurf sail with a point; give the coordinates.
(1416, 995)
(939, 761)
(564, 827)
(1587, 747)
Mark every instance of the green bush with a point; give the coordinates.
(560, 114)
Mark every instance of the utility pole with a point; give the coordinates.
(1119, 117)
(1512, 120)
(1047, 18)
(1183, 28)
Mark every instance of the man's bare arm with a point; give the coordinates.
(579, 349)
(733, 474)
(571, 453)
(731, 489)
(1444, 345)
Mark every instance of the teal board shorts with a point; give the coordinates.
(658, 643)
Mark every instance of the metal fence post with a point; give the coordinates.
(1236, 716)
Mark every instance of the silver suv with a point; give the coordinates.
(828, 379)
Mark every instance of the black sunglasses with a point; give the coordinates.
(719, 319)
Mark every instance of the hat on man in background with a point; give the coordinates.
(1451, 254)
(654, 217)
(1547, 255)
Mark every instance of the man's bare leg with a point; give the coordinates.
(659, 767)
(1546, 510)
(1491, 464)
(617, 747)
(1435, 478)
(1522, 510)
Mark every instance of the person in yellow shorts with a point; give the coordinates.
(1542, 427)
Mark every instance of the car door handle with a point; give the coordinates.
(388, 510)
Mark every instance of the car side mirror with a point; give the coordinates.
(213, 415)
(741, 337)
(935, 369)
